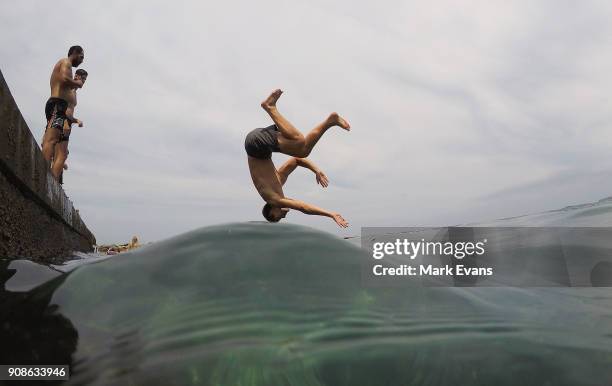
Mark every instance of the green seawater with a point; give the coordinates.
(254, 304)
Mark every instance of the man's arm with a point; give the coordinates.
(289, 166)
(70, 111)
(72, 119)
(66, 75)
(286, 169)
(309, 209)
(308, 164)
(72, 102)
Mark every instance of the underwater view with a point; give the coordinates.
(271, 304)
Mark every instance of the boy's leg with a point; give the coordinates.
(285, 127)
(302, 147)
(291, 141)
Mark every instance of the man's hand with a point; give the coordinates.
(340, 220)
(322, 179)
(79, 122)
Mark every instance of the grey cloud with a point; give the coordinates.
(461, 111)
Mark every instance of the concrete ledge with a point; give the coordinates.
(37, 218)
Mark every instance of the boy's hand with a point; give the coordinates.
(340, 220)
(322, 179)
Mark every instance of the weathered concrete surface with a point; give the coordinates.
(37, 220)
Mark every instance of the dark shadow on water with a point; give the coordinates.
(33, 331)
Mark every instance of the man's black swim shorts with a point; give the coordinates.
(260, 143)
(55, 111)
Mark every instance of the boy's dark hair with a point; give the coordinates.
(266, 213)
(80, 72)
(73, 49)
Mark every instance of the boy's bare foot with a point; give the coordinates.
(337, 120)
(270, 101)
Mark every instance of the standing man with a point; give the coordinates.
(283, 137)
(62, 84)
(61, 148)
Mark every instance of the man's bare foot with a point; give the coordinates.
(270, 101)
(337, 120)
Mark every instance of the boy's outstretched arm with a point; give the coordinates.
(310, 209)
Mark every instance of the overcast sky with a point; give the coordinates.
(461, 111)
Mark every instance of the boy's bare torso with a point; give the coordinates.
(266, 178)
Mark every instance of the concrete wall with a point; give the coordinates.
(37, 220)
